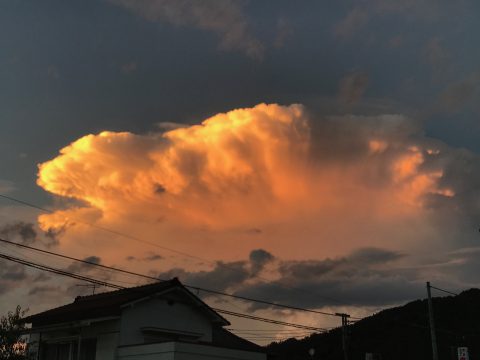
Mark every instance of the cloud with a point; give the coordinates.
(78, 267)
(243, 156)
(24, 231)
(129, 67)
(353, 21)
(361, 14)
(365, 277)
(284, 32)
(352, 87)
(11, 276)
(258, 259)
(28, 233)
(437, 56)
(224, 275)
(332, 183)
(153, 257)
(6, 186)
(459, 94)
(226, 18)
(41, 290)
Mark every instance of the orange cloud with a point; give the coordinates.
(262, 168)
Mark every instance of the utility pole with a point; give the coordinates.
(432, 323)
(344, 333)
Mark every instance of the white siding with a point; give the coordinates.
(158, 313)
(106, 346)
(184, 351)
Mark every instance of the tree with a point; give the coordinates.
(12, 342)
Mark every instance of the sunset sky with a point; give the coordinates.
(318, 154)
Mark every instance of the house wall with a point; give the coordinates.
(184, 351)
(106, 333)
(107, 346)
(159, 313)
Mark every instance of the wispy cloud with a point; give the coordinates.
(226, 18)
(6, 186)
(352, 87)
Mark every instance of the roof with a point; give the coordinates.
(110, 304)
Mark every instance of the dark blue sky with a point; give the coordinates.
(72, 68)
(401, 174)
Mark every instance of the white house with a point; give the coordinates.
(161, 321)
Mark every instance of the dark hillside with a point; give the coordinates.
(399, 333)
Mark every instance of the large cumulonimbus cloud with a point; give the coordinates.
(270, 176)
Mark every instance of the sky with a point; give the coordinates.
(318, 154)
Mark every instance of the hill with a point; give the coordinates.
(398, 333)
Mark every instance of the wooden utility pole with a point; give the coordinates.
(344, 333)
(432, 323)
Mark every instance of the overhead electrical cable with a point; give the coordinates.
(192, 287)
(119, 287)
(135, 238)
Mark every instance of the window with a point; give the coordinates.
(69, 350)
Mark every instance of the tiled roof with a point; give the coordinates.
(103, 304)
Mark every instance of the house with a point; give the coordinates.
(161, 321)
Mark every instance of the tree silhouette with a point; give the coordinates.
(12, 344)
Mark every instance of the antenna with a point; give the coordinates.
(91, 286)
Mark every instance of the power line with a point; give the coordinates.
(114, 232)
(244, 298)
(445, 291)
(134, 238)
(271, 321)
(59, 271)
(119, 287)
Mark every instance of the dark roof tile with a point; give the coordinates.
(99, 305)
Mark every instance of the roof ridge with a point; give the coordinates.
(127, 289)
(87, 299)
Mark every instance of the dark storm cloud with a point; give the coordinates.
(374, 256)
(260, 256)
(153, 257)
(78, 267)
(361, 278)
(42, 290)
(13, 272)
(20, 230)
(224, 275)
(28, 234)
(42, 276)
(364, 278)
(359, 259)
(11, 276)
(356, 289)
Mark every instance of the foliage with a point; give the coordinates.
(398, 333)
(12, 343)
